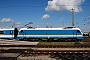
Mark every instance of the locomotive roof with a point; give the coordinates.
(6, 28)
(49, 29)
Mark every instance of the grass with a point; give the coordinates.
(56, 43)
(87, 38)
(62, 43)
(41, 43)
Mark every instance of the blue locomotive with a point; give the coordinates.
(10, 33)
(61, 34)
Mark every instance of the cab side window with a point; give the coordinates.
(21, 31)
(78, 31)
(10, 31)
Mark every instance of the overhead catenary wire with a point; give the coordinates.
(37, 6)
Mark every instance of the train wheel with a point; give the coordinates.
(49, 40)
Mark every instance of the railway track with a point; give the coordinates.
(45, 51)
(51, 50)
(46, 46)
(50, 54)
(27, 54)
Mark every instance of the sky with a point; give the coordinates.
(42, 13)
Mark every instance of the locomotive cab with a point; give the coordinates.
(7, 33)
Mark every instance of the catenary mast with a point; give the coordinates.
(72, 10)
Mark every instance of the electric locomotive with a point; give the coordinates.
(60, 34)
(8, 33)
